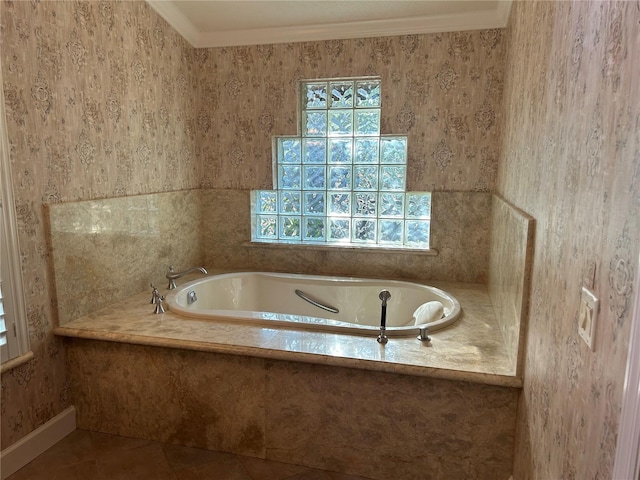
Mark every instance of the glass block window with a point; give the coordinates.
(340, 182)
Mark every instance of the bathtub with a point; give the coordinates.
(303, 302)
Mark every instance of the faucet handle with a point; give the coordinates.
(157, 299)
(154, 293)
(169, 275)
(159, 307)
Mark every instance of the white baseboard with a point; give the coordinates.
(16, 456)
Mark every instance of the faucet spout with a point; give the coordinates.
(173, 275)
(385, 296)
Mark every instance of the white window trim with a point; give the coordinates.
(10, 268)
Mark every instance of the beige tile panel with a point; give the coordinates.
(460, 234)
(188, 398)
(512, 244)
(388, 426)
(374, 424)
(105, 249)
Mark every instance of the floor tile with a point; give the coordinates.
(80, 471)
(311, 475)
(180, 457)
(344, 476)
(106, 442)
(225, 467)
(267, 470)
(75, 448)
(142, 463)
(84, 455)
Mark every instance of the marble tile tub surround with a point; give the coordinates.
(104, 99)
(337, 402)
(104, 250)
(373, 424)
(471, 350)
(512, 245)
(460, 232)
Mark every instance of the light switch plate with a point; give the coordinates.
(588, 316)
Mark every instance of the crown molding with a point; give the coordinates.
(176, 19)
(484, 19)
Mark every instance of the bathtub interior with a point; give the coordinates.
(271, 297)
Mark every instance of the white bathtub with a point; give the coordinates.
(270, 299)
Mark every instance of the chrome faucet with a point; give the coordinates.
(157, 300)
(172, 275)
(385, 295)
(423, 335)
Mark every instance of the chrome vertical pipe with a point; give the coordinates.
(384, 295)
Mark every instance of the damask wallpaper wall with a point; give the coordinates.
(99, 103)
(442, 90)
(571, 159)
(104, 100)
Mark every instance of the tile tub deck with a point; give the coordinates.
(471, 350)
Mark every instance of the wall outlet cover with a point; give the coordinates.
(588, 316)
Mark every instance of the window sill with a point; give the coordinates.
(15, 362)
(338, 246)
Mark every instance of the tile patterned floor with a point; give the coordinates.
(85, 455)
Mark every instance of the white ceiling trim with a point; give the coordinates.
(477, 20)
(177, 20)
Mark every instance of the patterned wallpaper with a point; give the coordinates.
(442, 90)
(99, 104)
(571, 159)
(105, 100)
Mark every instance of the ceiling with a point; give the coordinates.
(213, 23)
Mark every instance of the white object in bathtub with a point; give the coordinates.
(428, 312)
